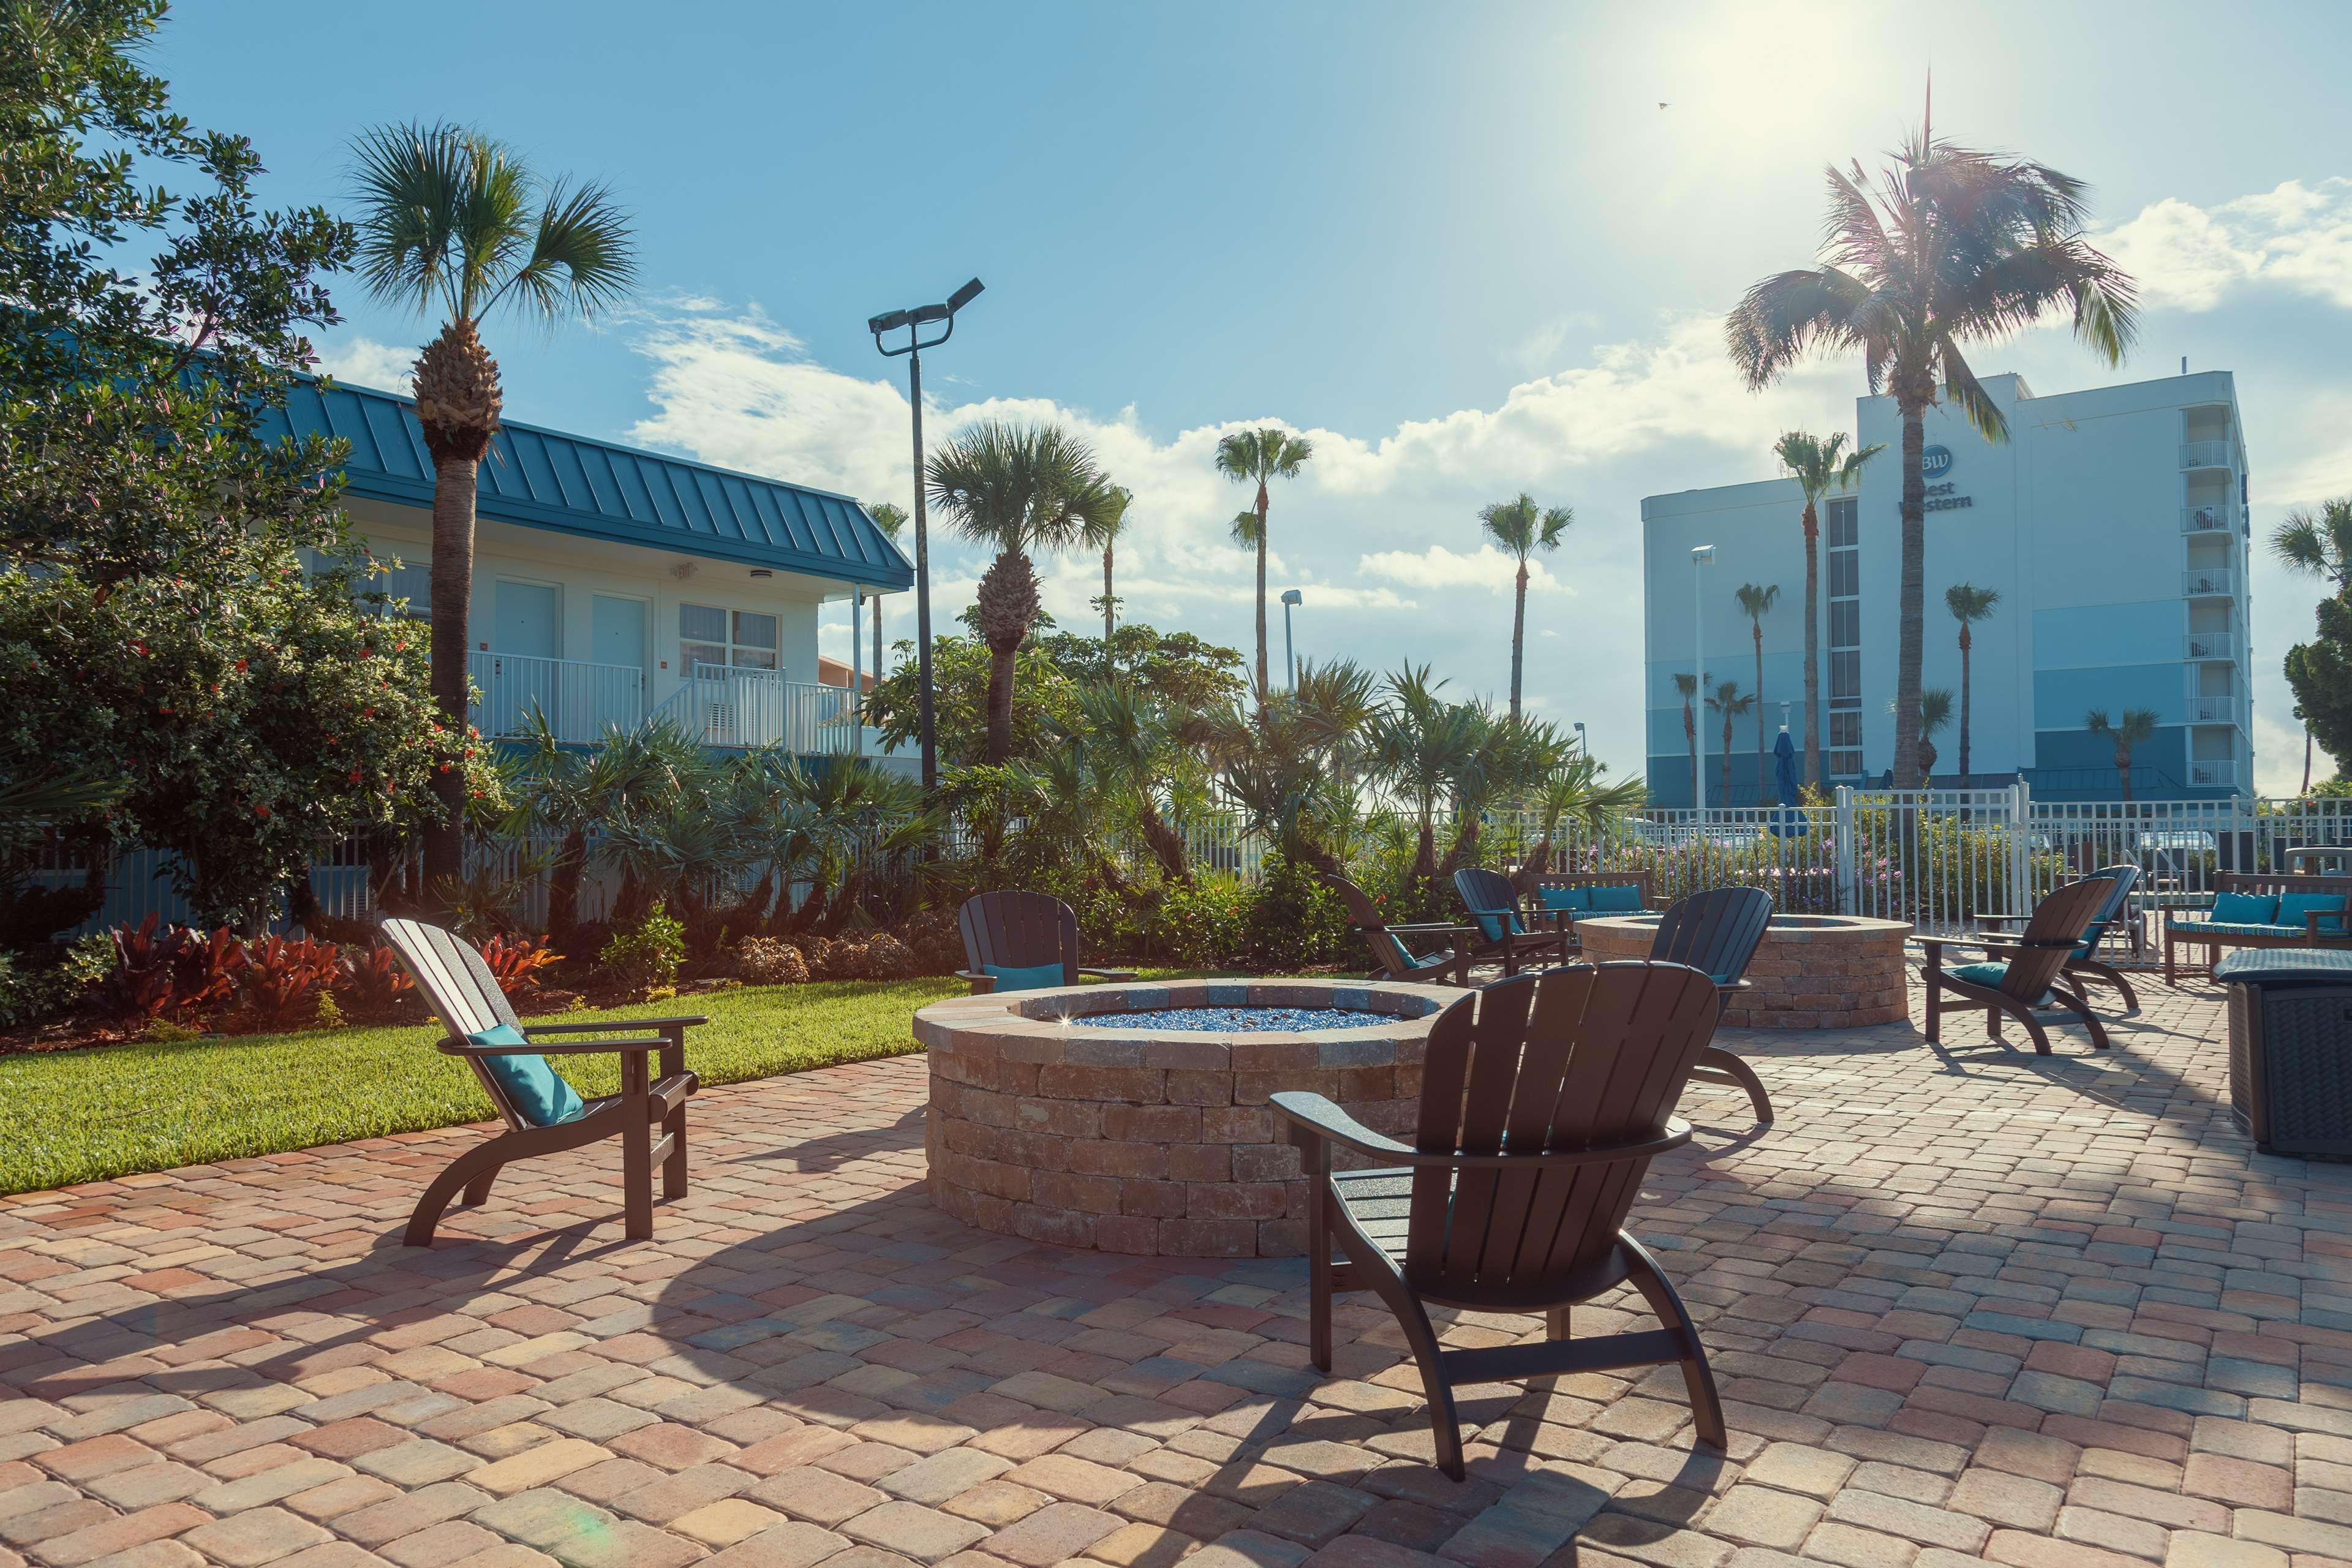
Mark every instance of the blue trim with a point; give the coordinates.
(600, 490)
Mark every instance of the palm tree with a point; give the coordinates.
(1109, 534)
(1956, 247)
(2317, 546)
(1822, 468)
(2133, 730)
(1968, 604)
(1756, 603)
(454, 222)
(1935, 712)
(891, 519)
(1255, 457)
(1575, 792)
(1422, 746)
(1687, 687)
(2307, 748)
(1726, 700)
(1519, 527)
(1018, 488)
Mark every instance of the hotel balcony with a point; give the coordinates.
(2205, 454)
(2221, 646)
(2208, 582)
(579, 700)
(2221, 710)
(2217, 517)
(2226, 773)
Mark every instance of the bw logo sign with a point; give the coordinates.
(1936, 462)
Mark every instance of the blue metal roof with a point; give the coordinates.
(544, 478)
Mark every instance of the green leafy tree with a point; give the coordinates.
(1969, 603)
(1822, 468)
(2134, 730)
(964, 671)
(158, 631)
(1953, 248)
(1518, 527)
(1186, 673)
(455, 223)
(2320, 671)
(1728, 702)
(1756, 602)
(891, 519)
(1258, 457)
(1017, 488)
(1577, 792)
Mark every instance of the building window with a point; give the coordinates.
(1846, 640)
(735, 639)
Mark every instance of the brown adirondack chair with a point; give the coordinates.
(2084, 964)
(1396, 961)
(1493, 904)
(1015, 930)
(464, 995)
(1543, 1101)
(2027, 972)
(1715, 932)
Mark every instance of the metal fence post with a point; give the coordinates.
(2022, 893)
(1846, 849)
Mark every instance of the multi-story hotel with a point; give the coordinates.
(2113, 525)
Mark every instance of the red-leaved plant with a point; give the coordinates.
(516, 961)
(376, 980)
(284, 980)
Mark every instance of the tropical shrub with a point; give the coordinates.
(284, 979)
(176, 970)
(516, 961)
(1293, 921)
(649, 953)
(41, 983)
(377, 984)
(765, 961)
(1201, 926)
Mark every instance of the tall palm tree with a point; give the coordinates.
(1727, 700)
(2307, 748)
(2134, 730)
(1109, 532)
(454, 222)
(1968, 604)
(1519, 527)
(1018, 488)
(1258, 457)
(1686, 687)
(1955, 248)
(1756, 602)
(1822, 468)
(2317, 546)
(891, 519)
(1935, 712)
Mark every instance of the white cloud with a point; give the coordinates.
(1438, 567)
(363, 362)
(2278, 758)
(2297, 237)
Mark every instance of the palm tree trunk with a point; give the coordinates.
(1813, 774)
(1726, 756)
(1262, 689)
(2123, 770)
(1519, 636)
(563, 884)
(1108, 670)
(1690, 739)
(1911, 400)
(453, 482)
(1165, 843)
(2307, 759)
(1759, 713)
(1000, 704)
(1966, 643)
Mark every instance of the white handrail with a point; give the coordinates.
(579, 700)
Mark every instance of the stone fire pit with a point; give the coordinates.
(1811, 971)
(1142, 1137)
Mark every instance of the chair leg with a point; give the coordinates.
(1556, 1323)
(478, 1164)
(1935, 1007)
(2090, 1021)
(1698, 1378)
(2033, 1026)
(1318, 1262)
(636, 1151)
(478, 1191)
(2113, 976)
(2170, 978)
(1723, 1061)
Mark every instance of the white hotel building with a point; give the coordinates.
(2113, 523)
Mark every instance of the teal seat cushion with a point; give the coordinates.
(1492, 925)
(2292, 907)
(1617, 900)
(1574, 900)
(2246, 908)
(1403, 959)
(1015, 977)
(1988, 975)
(2229, 927)
(538, 1095)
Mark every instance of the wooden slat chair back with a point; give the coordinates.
(1494, 906)
(1396, 961)
(466, 997)
(2083, 962)
(2025, 971)
(1017, 929)
(1717, 932)
(1543, 1101)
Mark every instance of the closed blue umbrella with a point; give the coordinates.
(1784, 779)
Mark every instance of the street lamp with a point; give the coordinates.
(914, 322)
(1583, 744)
(1289, 653)
(1701, 555)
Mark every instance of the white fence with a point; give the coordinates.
(579, 700)
(722, 706)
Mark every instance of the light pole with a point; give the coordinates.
(1290, 654)
(1583, 744)
(915, 320)
(1701, 556)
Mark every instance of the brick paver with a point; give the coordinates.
(1964, 1304)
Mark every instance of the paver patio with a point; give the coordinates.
(1974, 1303)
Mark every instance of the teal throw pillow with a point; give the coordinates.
(2294, 906)
(1012, 977)
(538, 1095)
(2245, 909)
(1617, 900)
(1575, 899)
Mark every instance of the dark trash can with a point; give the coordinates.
(2291, 1048)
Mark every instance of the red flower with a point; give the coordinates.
(262, 812)
(140, 648)
(355, 775)
(240, 666)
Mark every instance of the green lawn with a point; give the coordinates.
(88, 1115)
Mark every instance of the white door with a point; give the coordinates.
(617, 635)
(528, 620)
(526, 639)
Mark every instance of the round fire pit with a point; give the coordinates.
(1811, 971)
(1134, 1118)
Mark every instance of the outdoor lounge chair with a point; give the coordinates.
(1022, 941)
(542, 1114)
(1396, 961)
(2084, 964)
(2026, 976)
(1542, 1101)
(1494, 907)
(2251, 909)
(1715, 932)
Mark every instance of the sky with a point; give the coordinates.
(1466, 250)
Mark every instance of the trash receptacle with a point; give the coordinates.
(2291, 1048)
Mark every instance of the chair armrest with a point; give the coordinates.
(1424, 928)
(577, 1048)
(2002, 920)
(983, 983)
(1312, 1117)
(2311, 919)
(530, 1029)
(1110, 973)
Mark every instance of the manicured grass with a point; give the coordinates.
(88, 1115)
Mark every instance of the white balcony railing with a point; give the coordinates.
(579, 700)
(2208, 582)
(2205, 454)
(2211, 645)
(2227, 773)
(2211, 519)
(721, 706)
(2212, 711)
